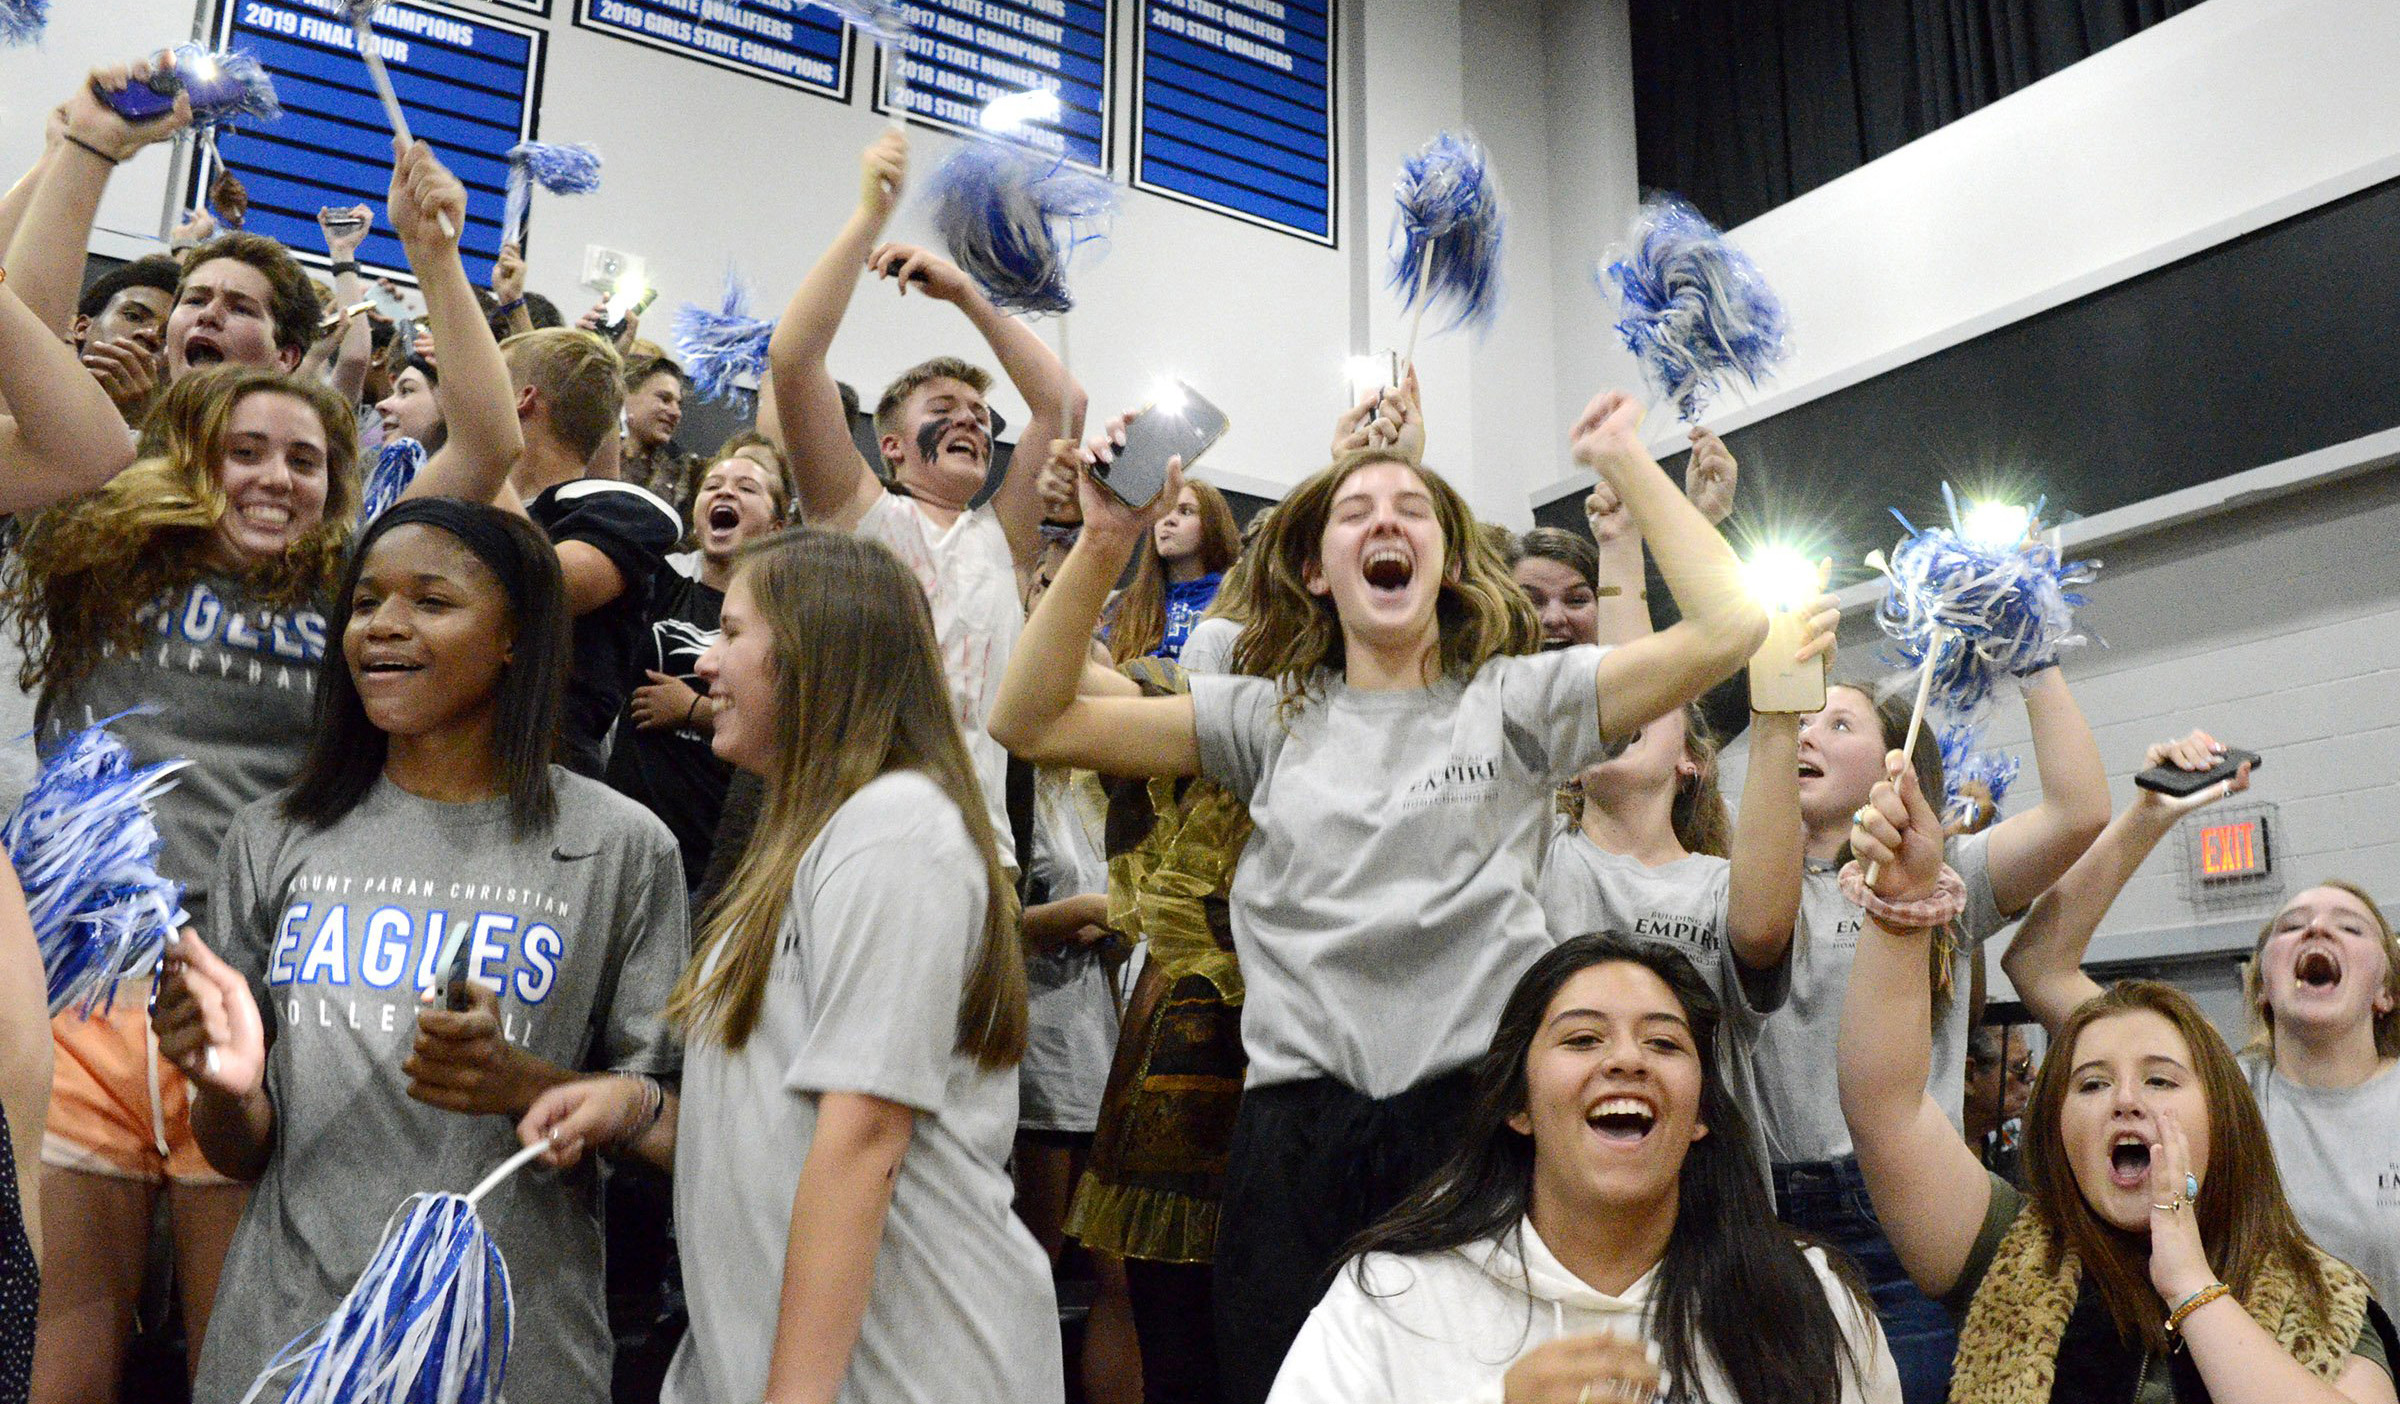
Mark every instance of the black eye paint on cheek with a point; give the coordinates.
(929, 434)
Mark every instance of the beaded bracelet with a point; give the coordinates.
(2194, 1302)
(1939, 907)
(654, 1106)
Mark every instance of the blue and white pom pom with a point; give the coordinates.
(22, 21)
(1696, 311)
(427, 1323)
(1013, 217)
(226, 86)
(561, 170)
(1991, 609)
(397, 464)
(724, 348)
(1964, 763)
(85, 845)
(1447, 232)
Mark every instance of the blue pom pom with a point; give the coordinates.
(1012, 218)
(886, 20)
(1697, 313)
(561, 170)
(1448, 231)
(1991, 609)
(225, 86)
(427, 1323)
(1964, 762)
(22, 21)
(396, 466)
(86, 847)
(723, 349)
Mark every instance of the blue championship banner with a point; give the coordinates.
(1236, 109)
(791, 42)
(968, 52)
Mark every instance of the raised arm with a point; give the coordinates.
(26, 1049)
(1929, 1189)
(2030, 850)
(64, 438)
(348, 373)
(2044, 959)
(479, 403)
(20, 195)
(1040, 715)
(1762, 900)
(1620, 609)
(833, 484)
(1721, 625)
(1057, 402)
(45, 258)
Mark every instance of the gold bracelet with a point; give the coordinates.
(2194, 1302)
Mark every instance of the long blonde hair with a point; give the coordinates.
(79, 583)
(861, 694)
(1292, 633)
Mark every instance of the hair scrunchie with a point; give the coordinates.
(1939, 907)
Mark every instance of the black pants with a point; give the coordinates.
(1173, 1319)
(1313, 1163)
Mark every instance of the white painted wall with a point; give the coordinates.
(2223, 119)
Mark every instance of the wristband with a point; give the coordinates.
(1061, 533)
(654, 1105)
(1939, 907)
(347, 265)
(694, 710)
(74, 140)
(2194, 1302)
(507, 307)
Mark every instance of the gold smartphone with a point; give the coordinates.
(1777, 683)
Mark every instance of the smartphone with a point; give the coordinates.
(1178, 424)
(341, 221)
(1777, 684)
(613, 329)
(334, 318)
(144, 101)
(2175, 780)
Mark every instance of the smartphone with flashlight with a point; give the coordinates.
(1178, 423)
(1778, 683)
(616, 326)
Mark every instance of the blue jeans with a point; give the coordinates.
(1827, 1198)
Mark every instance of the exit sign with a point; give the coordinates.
(2233, 850)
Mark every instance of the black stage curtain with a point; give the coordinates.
(1740, 105)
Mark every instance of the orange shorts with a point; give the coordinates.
(117, 1108)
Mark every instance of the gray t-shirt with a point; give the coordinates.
(2338, 1149)
(1800, 1102)
(885, 922)
(1384, 905)
(581, 929)
(226, 685)
(1071, 1012)
(1681, 905)
(1209, 649)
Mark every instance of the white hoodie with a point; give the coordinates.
(1444, 1328)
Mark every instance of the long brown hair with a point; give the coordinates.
(2254, 990)
(1891, 718)
(1702, 822)
(1292, 633)
(2245, 1222)
(85, 574)
(862, 695)
(1142, 613)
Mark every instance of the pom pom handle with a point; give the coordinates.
(361, 19)
(507, 1168)
(1916, 718)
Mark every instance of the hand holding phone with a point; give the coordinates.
(2173, 780)
(1178, 423)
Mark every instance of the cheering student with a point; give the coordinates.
(934, 432)
(2324, 990)
(188, 600)
(662, 755)
(1598, 1232)
(1183, 563)
(1399, 744)
(2154, 1257)
(1816, 1176)
(433, 926)
(853, 1019)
